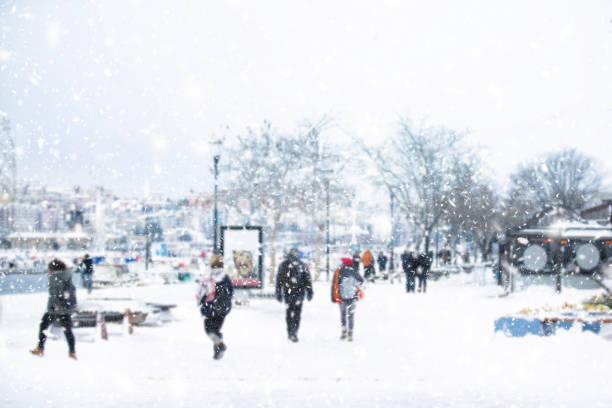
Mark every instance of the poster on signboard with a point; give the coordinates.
(242, 255)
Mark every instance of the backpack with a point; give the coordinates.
(348, 287)
(293, 271)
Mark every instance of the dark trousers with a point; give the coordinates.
(87, 281)
(410, 283)
(347, 310)
(294, 313)
(422, 282)
(369, 272)
(212, 327)
(65, 321)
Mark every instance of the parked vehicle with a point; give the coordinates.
(579, 248)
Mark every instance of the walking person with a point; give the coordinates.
(368, 266)
(346, 292)
(60, 305)
(356, 260)
(424, 265)
(382, 264)
(293, 283)
(409, 266)
(87, 271)
(215, 299)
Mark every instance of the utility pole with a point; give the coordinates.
(558, 259)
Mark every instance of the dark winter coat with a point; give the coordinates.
(221, 304)
(62, 293)
(382, 262)
(293, 281)
(424, 261)
(409, 262)
(344, 272)
(356, 260)
(87, 266)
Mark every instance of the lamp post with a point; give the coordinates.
(326, 174)
(216, 147)
(392, 240)
(327, 227)
(215, 213)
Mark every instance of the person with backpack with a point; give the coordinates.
(60, 305)
(215, 300)
(346, 292)
(293, 283)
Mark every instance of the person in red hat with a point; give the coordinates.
(346, 292)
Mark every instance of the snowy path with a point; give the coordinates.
(409, 350)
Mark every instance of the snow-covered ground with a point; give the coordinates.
(436, 350)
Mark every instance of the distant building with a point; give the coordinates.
(50, 240)
(601, 212)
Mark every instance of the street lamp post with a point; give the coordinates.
(392, 240)
(327, 226)
(215, 213)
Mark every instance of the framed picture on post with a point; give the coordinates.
(241, 248)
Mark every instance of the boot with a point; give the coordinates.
(343, 335)
(219, 350)
(350, 336)
(38, 351)
(72, 356)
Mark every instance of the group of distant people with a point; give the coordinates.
(367, 260)
(416, 266)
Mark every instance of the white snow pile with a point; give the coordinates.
(433, 350)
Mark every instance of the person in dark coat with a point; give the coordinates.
(216, 292)
(293, 283)
(409, 265)
(87, 271)
(356, 260)
(424, 265)
(60, 305)
(346, 292)
(382, 263)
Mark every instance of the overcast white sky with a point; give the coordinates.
(128, 93)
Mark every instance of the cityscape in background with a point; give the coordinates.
(45, 219)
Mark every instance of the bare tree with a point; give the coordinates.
(320, 171)
(280, 174)
(262, 166)
(473, 205)
(565, 180)
(416, 165)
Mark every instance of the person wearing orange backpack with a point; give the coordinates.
(346, 292)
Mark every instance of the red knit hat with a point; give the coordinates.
(347, 261)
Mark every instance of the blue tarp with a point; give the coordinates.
(520, 327)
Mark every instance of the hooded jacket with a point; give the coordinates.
(62, 293)
(367, 259)
(344, 271)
